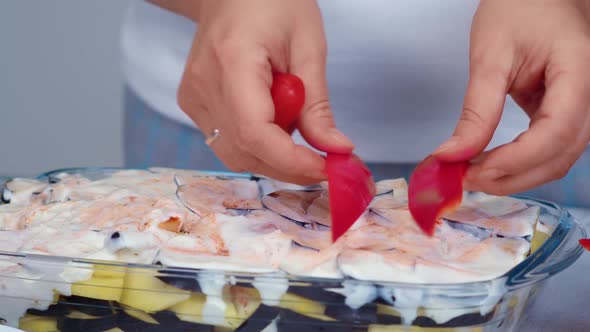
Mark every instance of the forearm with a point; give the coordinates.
(190, 9)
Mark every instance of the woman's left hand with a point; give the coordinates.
(538, 51)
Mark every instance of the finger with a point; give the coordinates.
(546, 171)
(528, 87)
(260, 167)
(530, 101)
(252, 131)
(289, 162)
(489, 80)
(239, 162)
(316, 123)
(543, 173)
(554, 131)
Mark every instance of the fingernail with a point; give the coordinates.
(340, 138)
(448, 145)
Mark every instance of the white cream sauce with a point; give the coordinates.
(212, 286)
(271, 289)
(77, 217)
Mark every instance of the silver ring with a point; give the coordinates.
(211, 138)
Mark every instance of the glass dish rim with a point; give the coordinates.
(519, 276)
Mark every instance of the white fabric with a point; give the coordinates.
(397, 70)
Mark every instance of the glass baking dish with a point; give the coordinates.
(37, 293)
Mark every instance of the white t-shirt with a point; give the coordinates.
(397, 70)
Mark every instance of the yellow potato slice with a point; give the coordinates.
(80, 315)
(304, 306)
(190, 310)
(148, 293)
(242, 302)
(140, 315)
(101, 288)
(32, 323)
(387, 310)
(538, 239)
(108, 271)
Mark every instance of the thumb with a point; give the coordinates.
(316, 122)
(482, 110)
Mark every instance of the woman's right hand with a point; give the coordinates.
(227, 79)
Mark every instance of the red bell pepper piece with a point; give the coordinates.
(350, 182)
(585, 243)
(435, 187)
(351, 189)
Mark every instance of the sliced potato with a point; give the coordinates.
(387, 310)
(304, 306)
(32, 323)
(101, 288)
(80, 315)
(148, 293)
(140, 315)
(190, 310)
(56, 296)
(242, 302)
(107, 271)
(538, 239)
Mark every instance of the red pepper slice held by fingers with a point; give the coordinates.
(351, 190)
(350, 183)
(435, 187)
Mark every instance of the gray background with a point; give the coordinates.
(60, 84)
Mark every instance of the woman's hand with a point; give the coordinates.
(538, 51)
(227, 80)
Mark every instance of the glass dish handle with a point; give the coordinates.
(556, 254)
